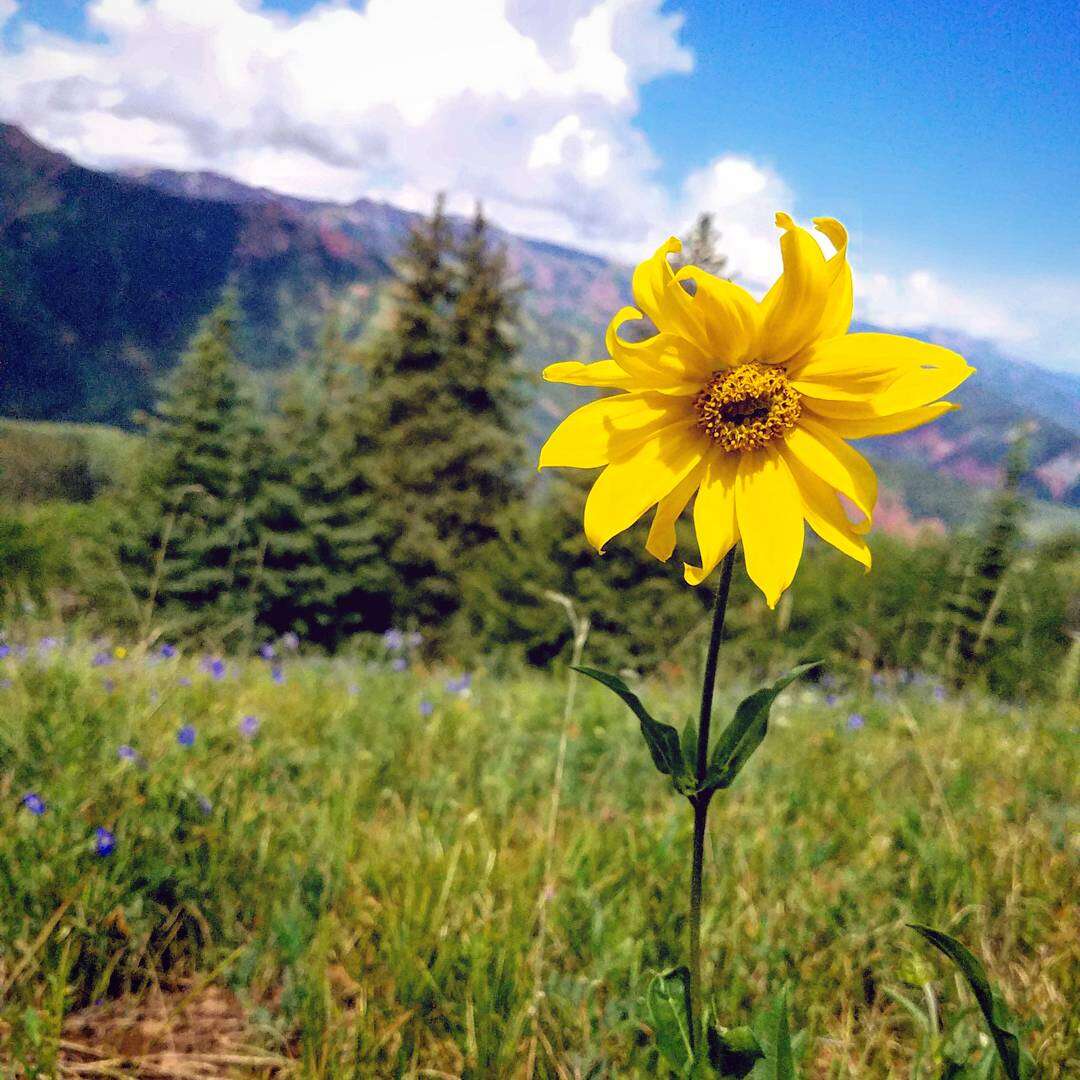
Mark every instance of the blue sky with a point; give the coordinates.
(946, 135)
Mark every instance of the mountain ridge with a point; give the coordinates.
(103, 276)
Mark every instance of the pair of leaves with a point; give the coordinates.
(1004, 1028)
(675, 757)
(725, 1053)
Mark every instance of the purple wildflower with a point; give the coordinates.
(127, 753)
(290, 641)
(426, 708)
(205, 805)
(109, 685)
(34, 803)
(101, 659)
(831, 700)
(277, 673)
(183, 681)
(4, 650)
(939, 693)
(415, 639)
(267, 651)
(393, 639)
(168, 651)
(249, 727)
(399, 663)
(104, 842)
(186, 735)
(459, 685)
(855, 721)
(47, 644)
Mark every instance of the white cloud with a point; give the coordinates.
(7, 9)
(529, 105)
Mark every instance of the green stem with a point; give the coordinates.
(700, 803)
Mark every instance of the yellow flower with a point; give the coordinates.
(749, 405)
(120, 652)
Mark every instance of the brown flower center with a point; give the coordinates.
(745, 407)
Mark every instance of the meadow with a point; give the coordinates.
(301, 866)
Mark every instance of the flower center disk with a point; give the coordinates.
(748, 406)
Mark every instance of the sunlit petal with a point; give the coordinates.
(661, 540)
(842, 467)
(714, 515)
(769, 513)
(824, 512)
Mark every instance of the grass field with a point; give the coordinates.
(352, 883)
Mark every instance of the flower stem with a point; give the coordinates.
(700, 802)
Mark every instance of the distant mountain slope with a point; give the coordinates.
(103, 277)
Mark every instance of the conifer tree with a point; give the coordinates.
(321, 573)
(192, 544)
(702, 247)
(443, 411)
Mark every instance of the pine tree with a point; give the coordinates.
(191, 545)
(701, 247)
(443, 407)
(321, 573)
(976, 606)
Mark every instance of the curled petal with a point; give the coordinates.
(769, 513)
(843, 468)
(652, 277)
(661, 540)
(824, 512)
(640, 479)
(811, 298)
(603, 373)
(598, 432)
(664, 361)
(714, 515)
(729, 315)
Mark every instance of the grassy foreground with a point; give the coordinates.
(358, 874)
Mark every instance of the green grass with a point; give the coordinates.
(366, 878)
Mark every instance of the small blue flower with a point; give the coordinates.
(267, 651)
(277, 673)
(5, 650)
(104, 842)
(186, 735)
(101, 659)
(109, 685)
(426, 708)
(939, 693)
(34, 803)
(204, 804)
(393, 639)
(831, 700)
(168, 651)
(127, 753)
(290, 641)
(47, 644)
(877, 679)
(183, 681)
(399, 663)
(249, 727)
(855, 721)
(415, 639)
(460, 685)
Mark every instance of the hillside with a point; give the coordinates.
(103, 277)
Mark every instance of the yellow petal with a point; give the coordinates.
(714, 515)
(836, 319)
(640, 479)
(769, 513)
(730, 317)
(890, 425)
(651, 278)
(663, 361)
(661, 541)
(664, 300)
(843, 468)
(824, 513)
(602, 430)
(604, 373)
(888, 372)
(811, 298)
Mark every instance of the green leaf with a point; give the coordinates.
(662, 739)
(1016, 1062)
(733, 1052)
(747, 730)
(668, 1003)
(774, 1035)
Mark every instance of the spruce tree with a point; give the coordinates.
(701, 247)
(443, 410)
(192, 543)
(321, 574)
